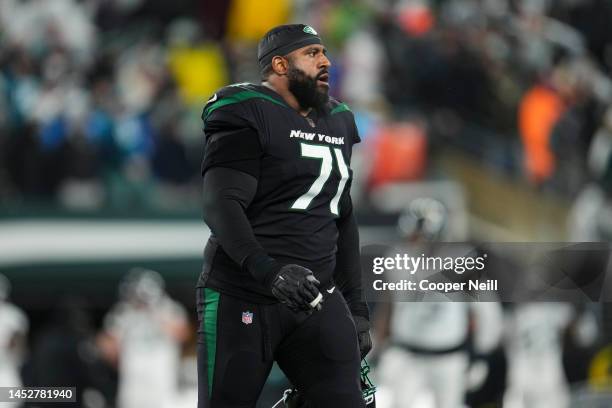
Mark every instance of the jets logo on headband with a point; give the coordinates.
(309, 30)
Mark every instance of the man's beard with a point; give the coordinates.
(305, 89)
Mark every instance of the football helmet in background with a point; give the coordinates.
(142, 285)
(424, 218)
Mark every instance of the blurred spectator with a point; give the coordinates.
(198, 68)
(362, 84)
(243, 27)
(557, 120)
(589, 219)
(591, 19)
(39, 23)
(170, 163)
(88, 89)
(399, 153)
(540, 109)
(143, 337)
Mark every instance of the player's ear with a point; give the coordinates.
(280, 65)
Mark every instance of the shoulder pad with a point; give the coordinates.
(236, 93)
(335, 106)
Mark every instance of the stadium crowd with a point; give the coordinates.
(100, 101)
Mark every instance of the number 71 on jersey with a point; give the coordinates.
(324, 153)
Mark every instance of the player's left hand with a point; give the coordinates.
(363, 335)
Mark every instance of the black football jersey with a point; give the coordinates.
(304, 174)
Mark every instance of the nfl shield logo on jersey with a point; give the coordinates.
(247, 317)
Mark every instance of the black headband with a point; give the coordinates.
(283, 39)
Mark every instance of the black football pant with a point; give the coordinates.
(239, 340)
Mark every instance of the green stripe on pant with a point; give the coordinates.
(211, 307)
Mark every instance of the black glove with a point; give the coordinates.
(294, 399)
(296, 287)
(363, 335)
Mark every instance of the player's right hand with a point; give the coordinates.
(296, 287)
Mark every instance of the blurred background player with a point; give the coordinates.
(13, 331)
(145, 332)
(534, 337)
(426, 359)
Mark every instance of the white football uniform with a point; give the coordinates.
(427, 358)
(149, 357)
(534, 346)
(416, 363)
(12, 322)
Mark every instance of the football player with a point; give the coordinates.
(143, 335)
(534, 342)
(281, 277)
(427, 339)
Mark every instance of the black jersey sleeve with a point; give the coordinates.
(231, 169)
(347, 274)
(235, 148)
(227, 193)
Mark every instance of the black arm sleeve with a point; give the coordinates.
(238, 149)
(347, 274)
(227, 193)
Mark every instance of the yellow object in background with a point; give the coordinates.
(198, 71)
(600, 371)
(249, 20)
